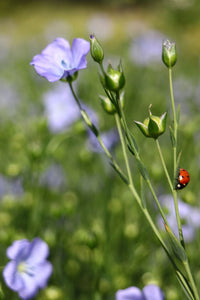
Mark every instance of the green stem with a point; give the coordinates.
(132, 187)
(123, 148)
(109, 155)
(174, 120)
(164, 165)
(191, 280)
(175, 159)
(137, 157)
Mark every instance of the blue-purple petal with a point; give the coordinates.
(43, 272)
(131, 293)
(17, 247)
(39, 251)
(80, 49)
(29, 270)
(29, 289)
(58, 60)
(82, 63)
(153, 292)
(12, 277)
(47, 68)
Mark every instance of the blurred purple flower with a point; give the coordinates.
(28, 269)
(149, 292)
(54, 177)
(146, 49)
(102, 26)
(190, 217)
(60, 108)
(58, 61)
(10, 186)
(110, 139)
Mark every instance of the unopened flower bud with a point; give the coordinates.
(107, 105)
(169, 54)
(96, 49)
(122, 99)
(114, 79)
(153, 126)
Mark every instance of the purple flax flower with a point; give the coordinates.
(146, 49)
(149, 292)
(110, 139)
(63, 112)
(28, 269)
(58, 61)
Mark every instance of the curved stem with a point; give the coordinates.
(109, 155)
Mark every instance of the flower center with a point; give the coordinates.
(23, 267)
(65, 65)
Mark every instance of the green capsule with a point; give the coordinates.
(153, 126)
(114, 79)
(169, 53)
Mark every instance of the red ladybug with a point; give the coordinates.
(183, 179)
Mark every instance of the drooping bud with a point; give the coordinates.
(107, 105)
(114, 79)
(169, 53)
(96, 50)
(153, 126)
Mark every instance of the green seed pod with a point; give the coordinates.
(114, 79)
(169, 54)
(153, 126)
(107, 105)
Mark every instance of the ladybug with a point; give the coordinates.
(182, 179)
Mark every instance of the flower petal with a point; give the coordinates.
(47, 68)
(80, 49)
(153, 292)
(16, 248)
(131, 293)
(12, 277)
(39, 251)
(53, 60)
(43, 272)
(30, 288)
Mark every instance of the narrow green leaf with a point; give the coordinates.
(130, 149)
(185, 285)
(177, 248)
(178, 159)
(119, 173)
(136, 149)
(172, 136)
(89, 122)
(143, 170)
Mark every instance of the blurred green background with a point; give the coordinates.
(52, 185)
